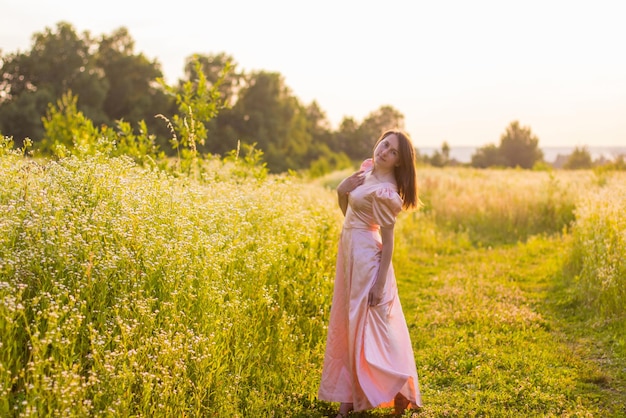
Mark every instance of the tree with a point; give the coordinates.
(319, 128)
(219, 69)
(109, 81)
(320, 150)
(580, 158)
(318, 124)
(345, 135)
(216, 67)
(20, 117)
(357, 141)
(488, 156)
(445, 151)
(520, 147)
(198, 102)
(57, 63)
(269, 115)
(377, 122)
(133, 94)
(440, 159)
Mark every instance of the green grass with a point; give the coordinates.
(126, 291)
(492, 338)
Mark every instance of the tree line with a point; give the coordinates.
(112, 83)
(114, 87)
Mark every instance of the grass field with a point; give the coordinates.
(127, 291)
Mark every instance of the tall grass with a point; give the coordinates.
(128, 292)
(499, 206)
(492, 207)
(598, 255)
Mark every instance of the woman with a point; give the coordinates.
(369, 358)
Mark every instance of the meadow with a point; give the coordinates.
(129, 290)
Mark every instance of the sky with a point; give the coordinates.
(459, 71)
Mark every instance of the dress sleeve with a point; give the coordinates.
(386, 205)
(367, 165)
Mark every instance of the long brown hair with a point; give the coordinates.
(405, 173)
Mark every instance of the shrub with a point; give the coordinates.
(598, 256)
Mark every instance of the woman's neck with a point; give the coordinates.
(384, 176)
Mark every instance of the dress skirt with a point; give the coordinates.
(369, 357)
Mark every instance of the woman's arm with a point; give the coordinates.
(346, 186)
(376, 293)
(342, 199)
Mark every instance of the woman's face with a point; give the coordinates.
(387, 153)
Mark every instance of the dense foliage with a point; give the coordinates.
(113, 84)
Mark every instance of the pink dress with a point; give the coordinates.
(369, 356)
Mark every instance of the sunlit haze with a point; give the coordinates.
(459, 71)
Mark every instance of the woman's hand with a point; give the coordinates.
(346, 186)
(375, 296)
(350, 183)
